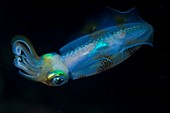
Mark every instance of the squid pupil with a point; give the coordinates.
(58, 80)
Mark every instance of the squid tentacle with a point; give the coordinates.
(26, 58)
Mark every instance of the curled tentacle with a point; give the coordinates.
(25, 57)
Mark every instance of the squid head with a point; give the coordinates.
(48, 69)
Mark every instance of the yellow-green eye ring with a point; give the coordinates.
(56, 78)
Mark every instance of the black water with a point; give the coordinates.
(138, 85)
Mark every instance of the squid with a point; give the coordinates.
(107, 40)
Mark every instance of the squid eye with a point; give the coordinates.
(57, 78)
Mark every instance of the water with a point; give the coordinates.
(134, 86)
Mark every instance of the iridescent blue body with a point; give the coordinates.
(109, 49)
(117, 35)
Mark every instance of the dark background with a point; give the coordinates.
(138, 85)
